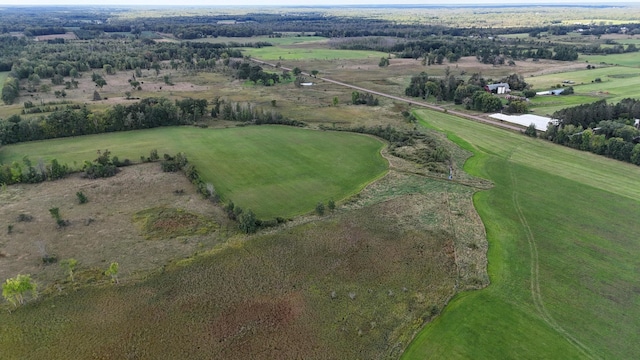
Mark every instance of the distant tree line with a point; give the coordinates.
(147, 113)
(601, 128)
(248, 113)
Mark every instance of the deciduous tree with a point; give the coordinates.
(15, 289)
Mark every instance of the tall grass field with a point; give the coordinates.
(273, 170)
(563, 254)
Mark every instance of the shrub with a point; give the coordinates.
(531, 131)
(82, 198)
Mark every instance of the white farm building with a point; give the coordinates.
(540, 122)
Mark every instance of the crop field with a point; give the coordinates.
(273, 170)
(560, 225)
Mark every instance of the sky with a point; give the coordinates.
(154, 3)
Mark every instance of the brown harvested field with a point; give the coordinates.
(102, 230)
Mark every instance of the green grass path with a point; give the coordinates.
(273, 170)
(562, 254)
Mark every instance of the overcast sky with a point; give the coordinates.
(300, 2)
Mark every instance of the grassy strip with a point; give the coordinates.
(285, 40)
(273, 170)
(559, 222)
(277, 53)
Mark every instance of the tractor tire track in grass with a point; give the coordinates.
(535, 274)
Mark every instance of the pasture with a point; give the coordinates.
(616, 83)
(627, 59)
(273, 170)
(561, 259)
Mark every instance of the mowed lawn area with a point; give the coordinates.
(272, 170)
(563, 254)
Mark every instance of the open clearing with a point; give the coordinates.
(296, 53)
(273, 170)
(562, 261)
(102, 230)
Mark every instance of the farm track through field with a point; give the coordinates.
(409, 101)
(536, 294)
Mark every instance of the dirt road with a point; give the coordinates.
(409, 101)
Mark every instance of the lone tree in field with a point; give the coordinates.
(331, 205)
(248, 222)
(112, 271)
(314, 73)
(320, 209)
(69, 265)
(15, 289)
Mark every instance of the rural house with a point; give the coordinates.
(499, 88)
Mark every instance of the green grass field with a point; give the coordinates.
(628, 59)
(285, 40)
(273, 170)
(617, 83)
(279, 53)
(545, 105)
(562, 254)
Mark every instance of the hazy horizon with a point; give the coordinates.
(310, 3)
